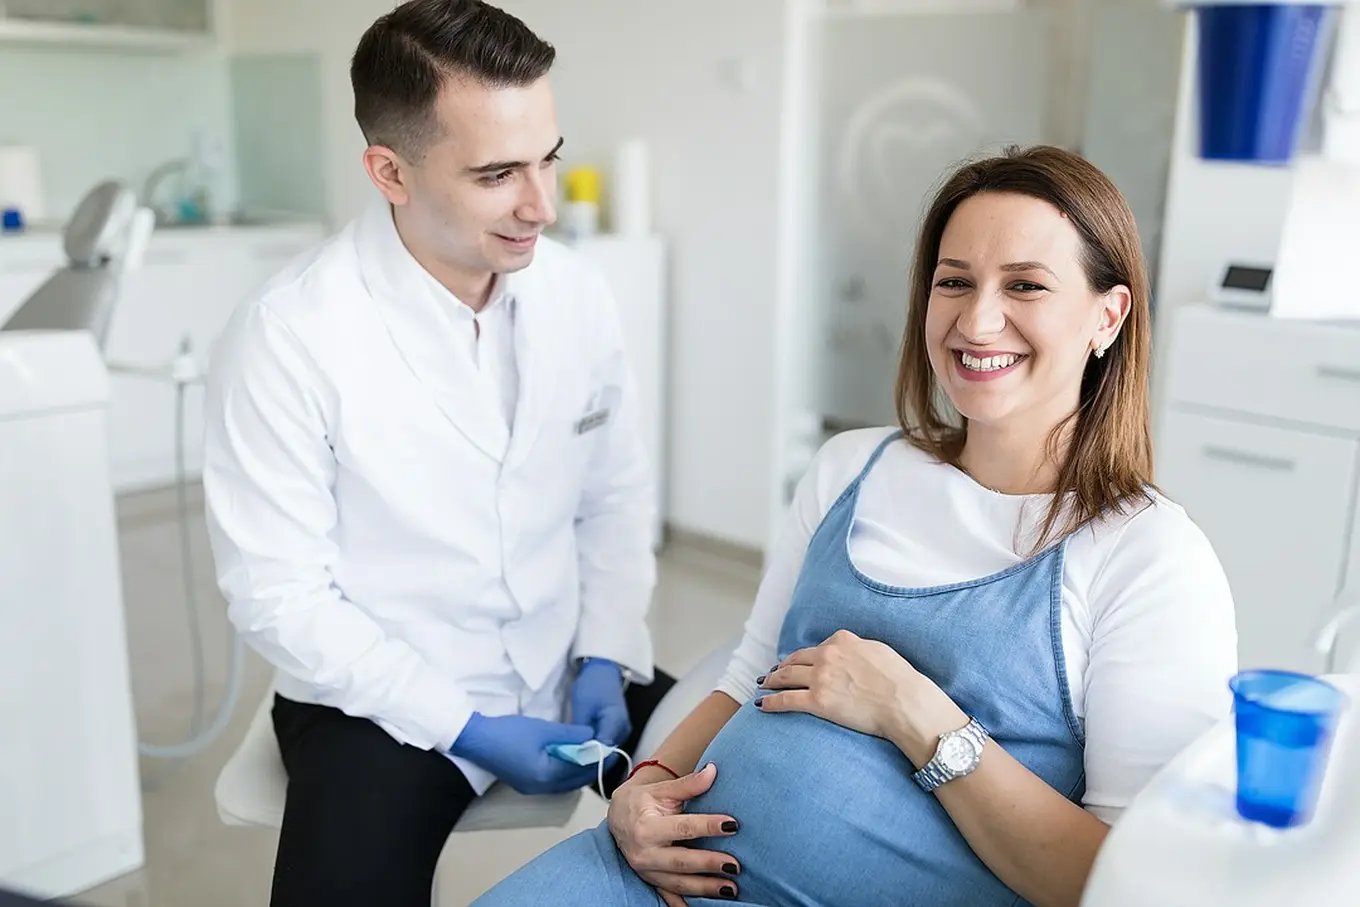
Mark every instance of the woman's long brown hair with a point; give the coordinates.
(1105, 446)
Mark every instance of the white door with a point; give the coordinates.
(1276, 504)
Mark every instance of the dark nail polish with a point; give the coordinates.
(759, 701)
(729, 827)
(775, 668)
(728, 892)
(761, 679)
(731, 869)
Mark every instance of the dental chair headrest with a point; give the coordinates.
(98, 226)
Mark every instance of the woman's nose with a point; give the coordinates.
(983, 316)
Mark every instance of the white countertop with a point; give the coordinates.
(47, 231)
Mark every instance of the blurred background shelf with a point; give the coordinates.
(98, 35)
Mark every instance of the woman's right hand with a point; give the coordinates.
(646, 819)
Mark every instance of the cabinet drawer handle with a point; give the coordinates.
(1246, 458)
(1339, 373)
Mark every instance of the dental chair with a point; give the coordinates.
(251, 787)
(103, 240)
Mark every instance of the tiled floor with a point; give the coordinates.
(192, 860)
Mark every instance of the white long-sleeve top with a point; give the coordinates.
(1148, 627)
(385, 535)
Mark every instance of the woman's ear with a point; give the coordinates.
(1114, 308)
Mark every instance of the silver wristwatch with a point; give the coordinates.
(956, 755)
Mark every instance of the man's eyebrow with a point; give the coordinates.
(499, 166)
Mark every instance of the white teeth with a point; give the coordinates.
(988, 364)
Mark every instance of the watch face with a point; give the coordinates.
(957, 754)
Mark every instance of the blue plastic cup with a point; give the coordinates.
(1257, 64)
(1285, 725)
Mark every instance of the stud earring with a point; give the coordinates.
(1100, 351)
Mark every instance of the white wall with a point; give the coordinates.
(715, 152)
(676, 82)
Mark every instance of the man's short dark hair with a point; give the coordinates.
(405, 57)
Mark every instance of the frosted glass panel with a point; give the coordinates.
(277, 99)
(1131, 108)
(902, 100)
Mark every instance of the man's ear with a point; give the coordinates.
(389, 172)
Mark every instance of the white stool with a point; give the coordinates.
(250, 790)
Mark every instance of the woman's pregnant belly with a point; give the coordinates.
(831, 816)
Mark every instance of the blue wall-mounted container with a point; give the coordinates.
(1257, 63)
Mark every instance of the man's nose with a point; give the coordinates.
(538, 206)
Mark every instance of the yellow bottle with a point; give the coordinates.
(581, 213)
(583, 185)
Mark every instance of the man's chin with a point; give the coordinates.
(511, 265)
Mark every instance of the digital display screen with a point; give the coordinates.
(1240, 278)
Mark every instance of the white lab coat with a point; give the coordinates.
(381, 536)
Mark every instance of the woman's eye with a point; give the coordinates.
(498, 178)
(1025, 286)
(951, 283)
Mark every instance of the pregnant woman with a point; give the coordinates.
(981, 633)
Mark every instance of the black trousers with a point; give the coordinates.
(366, 818)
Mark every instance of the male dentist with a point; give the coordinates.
(428, 501)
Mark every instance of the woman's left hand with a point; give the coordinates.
(866, 686)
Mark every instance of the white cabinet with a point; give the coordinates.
(1260, 442)
(70, 805)
(188, 284)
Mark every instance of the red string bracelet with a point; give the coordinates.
(661, 765)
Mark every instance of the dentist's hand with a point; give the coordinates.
(648, 822)
(515, 750)
(597, 700)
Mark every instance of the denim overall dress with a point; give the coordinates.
(830, 816)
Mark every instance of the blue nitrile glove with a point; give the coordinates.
(597, 700)
(515, 749)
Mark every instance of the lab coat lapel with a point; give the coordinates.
(422, 331)
(539, 356)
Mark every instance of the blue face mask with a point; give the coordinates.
(592, 752)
